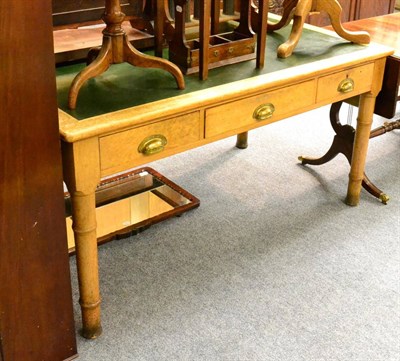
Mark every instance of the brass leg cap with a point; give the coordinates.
(384, 198)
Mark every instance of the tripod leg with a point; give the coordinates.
(374, 190)
(137, 58)
(301, 12)
(98, 66)
(332, 152)
(334, 11)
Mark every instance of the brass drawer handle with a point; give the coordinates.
(264, 111)
(152, 145)
(346, 86)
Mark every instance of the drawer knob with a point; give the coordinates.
(152, 145)
(346, 86)
(264, 111)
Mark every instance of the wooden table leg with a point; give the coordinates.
(81, 175)
(241, 140)
(84, 226)
(343, 143)
(361, 139)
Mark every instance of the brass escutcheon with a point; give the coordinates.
(153, 144)
(264, 111)
(346, 85)
(216, 53)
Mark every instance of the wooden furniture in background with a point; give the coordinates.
(237, 98)
(210, 48)
(214, 48)
(384, 30)
(74, 13)
(352, 10)
(36, 314)
(299, 10)
(116, 49)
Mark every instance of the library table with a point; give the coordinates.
(129, 116)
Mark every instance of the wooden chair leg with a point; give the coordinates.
(262, 33)
(205, 14)
(159, 28)
(215, 12)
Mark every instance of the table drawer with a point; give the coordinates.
(345, 84)
(260, 109)
(143, 144)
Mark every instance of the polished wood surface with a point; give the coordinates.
(385, 30)
(382, 29)
(368, 8)
(36, 314)
(234, 100)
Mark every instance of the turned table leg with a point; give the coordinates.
(361, 139)
(84, 226)
(81, 175)
(241, 140)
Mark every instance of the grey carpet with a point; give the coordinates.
(272, 265)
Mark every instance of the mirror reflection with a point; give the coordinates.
(129, 203)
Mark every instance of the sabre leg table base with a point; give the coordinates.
(343, 143)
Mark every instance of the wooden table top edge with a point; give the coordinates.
(72, 129)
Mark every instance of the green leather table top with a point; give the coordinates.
(124, 86)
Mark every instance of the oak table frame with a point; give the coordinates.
(104, 144)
